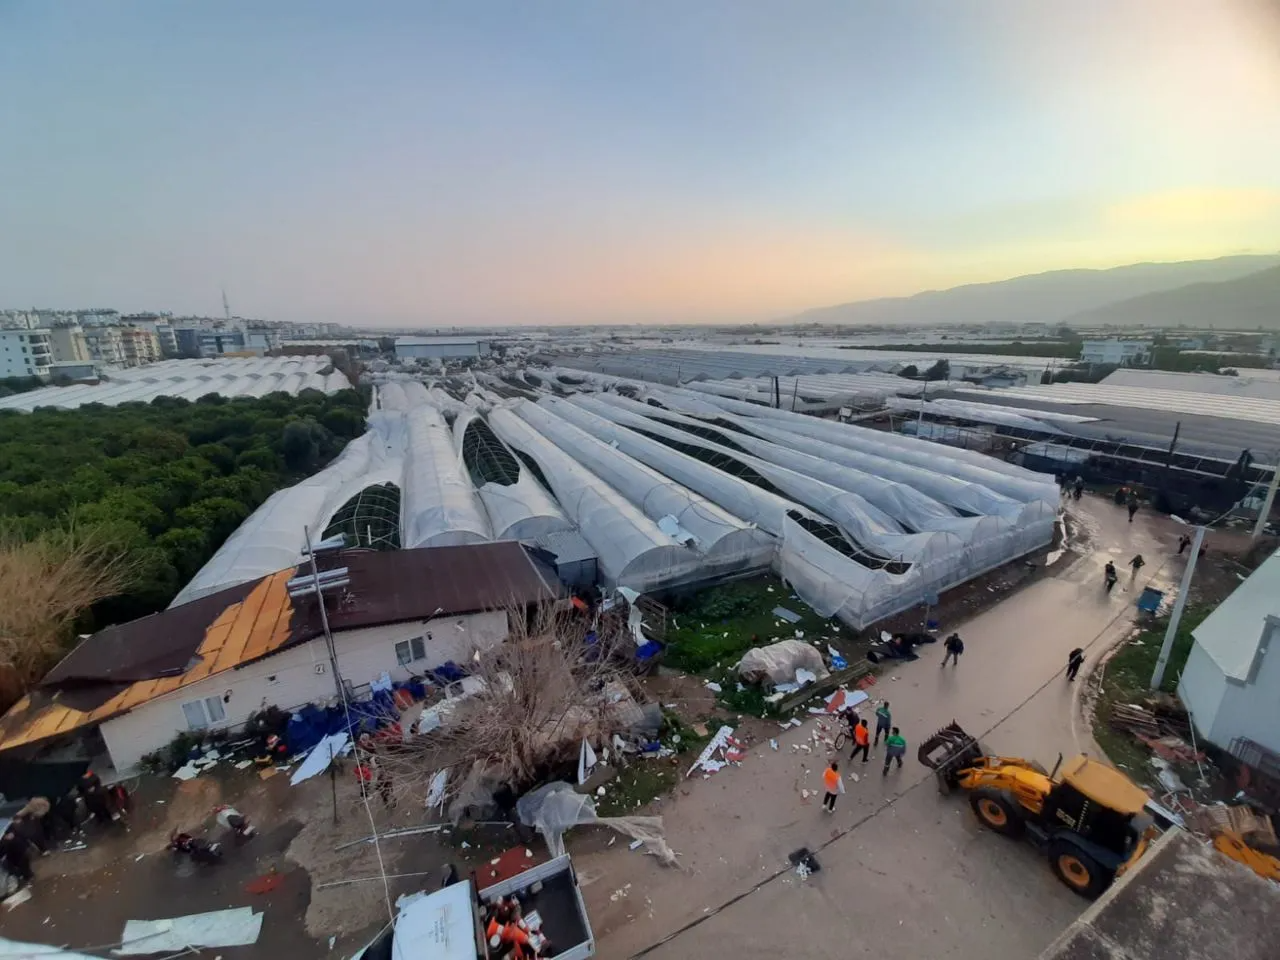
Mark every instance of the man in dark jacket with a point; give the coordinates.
(1074, 660)
(954, 647)
(15, 853)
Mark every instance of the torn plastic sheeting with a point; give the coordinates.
(718, 742)
(18, 950)
(554, 808)
(237, 927)
(321, 755)
(435, 789)
(671, 527)
(778, 662)
(788, 615)
(586, 761)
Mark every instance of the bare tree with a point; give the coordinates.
(558, 678)
(46, 581)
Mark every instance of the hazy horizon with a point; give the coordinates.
(461, 164)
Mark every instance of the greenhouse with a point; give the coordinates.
(440, 504)
(517, 505)
(726, 543)
(632, 549)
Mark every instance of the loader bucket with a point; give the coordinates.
(948, 751)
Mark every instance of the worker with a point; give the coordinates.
(895, 747)
(1184, 541)
(67, 811)
(1132, 503)
(861, 741)
(1137, 563)
(15, 854)
(95, 796)
(954, 647)
(39, 811)
(884, 721)
(1078, 489)
(834, 786)
(1074, 659)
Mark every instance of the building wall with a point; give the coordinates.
(25, 353)
(436, 351)
(302, 675)
(1253, 709)
(1201, 688)
(1121, 352)
(69, 345)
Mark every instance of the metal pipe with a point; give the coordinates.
(1267, 501)
(1157, 676)
(324, 616)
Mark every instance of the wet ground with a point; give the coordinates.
(905, 873)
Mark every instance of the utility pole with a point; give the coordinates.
(1157, 676)
(324, 616)
(226, 307)
(1267, 501)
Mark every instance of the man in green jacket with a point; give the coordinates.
(895, 746)
(884, 721)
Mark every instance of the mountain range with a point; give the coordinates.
(1240, 292)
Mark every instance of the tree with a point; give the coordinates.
(910, 371)
(186, 548)
(46, 581)
(300, 444)
(941, 370)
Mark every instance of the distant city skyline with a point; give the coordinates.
(476, 163)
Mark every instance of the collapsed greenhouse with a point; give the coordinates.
(669, 487)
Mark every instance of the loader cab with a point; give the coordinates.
(1095, 819)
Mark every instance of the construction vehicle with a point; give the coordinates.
(1091, 820)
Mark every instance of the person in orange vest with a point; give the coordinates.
(861, 741)
(834, 786)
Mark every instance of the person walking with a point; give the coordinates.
(1137, 563)
(1184, 541)
(1132, 504)
(1078, 490)
(884, 721)
(1110, 575)
(834, 786)
(954, 647)
(895, 747)
(861, 741)
(1074, 659)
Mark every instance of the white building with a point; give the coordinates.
(1122, 353)
(214, 662)
(25, 353)
(440, 348)
(1231, 684)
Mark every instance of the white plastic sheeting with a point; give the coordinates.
(726, 543)
(996, 475)
(632, 551)
(272, 537)
(227, 377)
(438, 505)
(518, 511)
(980, 412)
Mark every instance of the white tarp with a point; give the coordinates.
(321, 755)
(778, 662)
(236, 927)
(17, 950)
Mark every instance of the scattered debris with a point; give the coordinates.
(706, 760)
(236, 927)
(321, 755)
(17, 899)
(788, 615)
(188, 771)
(713, 686)
(264, 884)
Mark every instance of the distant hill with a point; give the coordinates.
(1041, 297)
(1243, 304)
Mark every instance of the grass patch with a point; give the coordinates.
(643, 781)
(719, 625)
(1126, 678)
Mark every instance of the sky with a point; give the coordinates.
(480, 162)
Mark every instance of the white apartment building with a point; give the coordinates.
(1122, 353)
(25, 353)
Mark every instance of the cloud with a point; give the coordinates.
(1195, 207)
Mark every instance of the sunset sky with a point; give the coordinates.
(480, 162)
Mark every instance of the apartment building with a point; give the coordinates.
(69, 344)
(25, 353)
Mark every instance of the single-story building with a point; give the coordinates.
(214, 662)
(1231, 684)
(440, 348)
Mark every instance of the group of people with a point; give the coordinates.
(895, 748)
(42, 822)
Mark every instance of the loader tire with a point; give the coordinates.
(1079, 871)
(997, 811)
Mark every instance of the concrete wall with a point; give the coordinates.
(301, 675)
(1252, 709)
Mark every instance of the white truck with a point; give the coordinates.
(449, 923)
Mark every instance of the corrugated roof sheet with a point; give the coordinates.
(123, 667)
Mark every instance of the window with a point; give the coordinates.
(202, 714)
(409, 651)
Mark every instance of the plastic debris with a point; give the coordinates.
(788, 615)
(236, 927)
(713, 686)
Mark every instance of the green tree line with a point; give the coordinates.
(168, 481)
